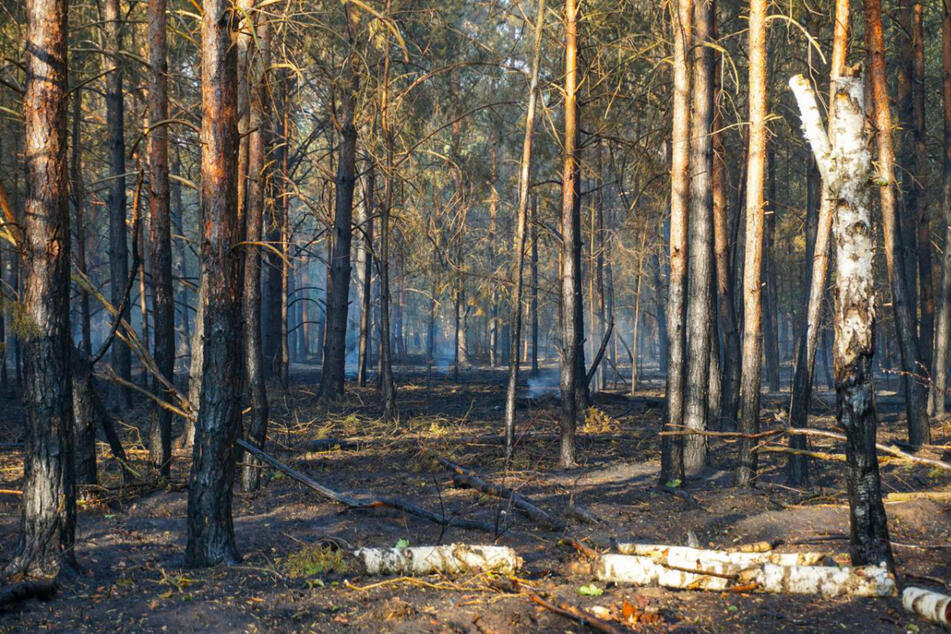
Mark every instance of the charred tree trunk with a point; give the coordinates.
(333, 369)
(919, 431)
(387, 385)
(163, 298)
(210, 528)
(116, 198)
(672, 447)
(771, 303)
(846, 167)
(533, 293)
(260, 61)
(944, 306)
(753, 260)
(572, 361)
(521, 222)
(700, 258)
(48, 519)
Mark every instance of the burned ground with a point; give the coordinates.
(131, 537)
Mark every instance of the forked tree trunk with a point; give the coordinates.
(48, 519)
(163, 298)
(818, 266)
(700, 259)
(210, 529)
(944, 304)
(521, 222)
(334, 365)
(919, 431)
(260, 61)
(672, 447)
(750, 377)
(846, 167)
(116, 198)
(572, 362)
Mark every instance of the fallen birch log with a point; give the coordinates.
(449, 559)
(467, 478)
(929, 605)
(363, 503)
(719, 575)
(699, 559)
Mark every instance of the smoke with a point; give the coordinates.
(545, 383)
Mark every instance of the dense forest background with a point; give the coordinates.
(223, 218)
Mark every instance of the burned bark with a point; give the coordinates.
(210, 529)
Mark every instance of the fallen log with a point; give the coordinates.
(362, 503)
(698, 558)
(451, 559)
(467, 478)
(929, 605)
(14, 593)
(829, 581)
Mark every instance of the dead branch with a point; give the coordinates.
(575, 614)
(362, 503)
(600, 354)
(466, 478)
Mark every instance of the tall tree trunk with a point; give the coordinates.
(84, 431)
(846, 167)
(771, 303)
(521, 221)
(387, 386)
(48, 519)
(333, 368)
(572, 361)
(944, 305)
(116, 198)
(726, 317)
(210, 529)
(817, 263)
(163, 298)
(533, 293)
(366, 271)
(919, 431)
(493, 246)
(753, 261)
(672, 447)
(256, 432)
(700, 257)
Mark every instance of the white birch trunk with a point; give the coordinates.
(696, 558)
(929, 605)
(449, 559)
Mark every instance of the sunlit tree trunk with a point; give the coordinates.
(572, 361)
(919, 431)
(521, 221)
(163, 298)
(48, 518)
(944, 304)
(260, 61)
(846, 166)
(210, 529)
(700, 256)
(672, 459)
(753, 261)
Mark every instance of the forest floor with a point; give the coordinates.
(130, 542)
